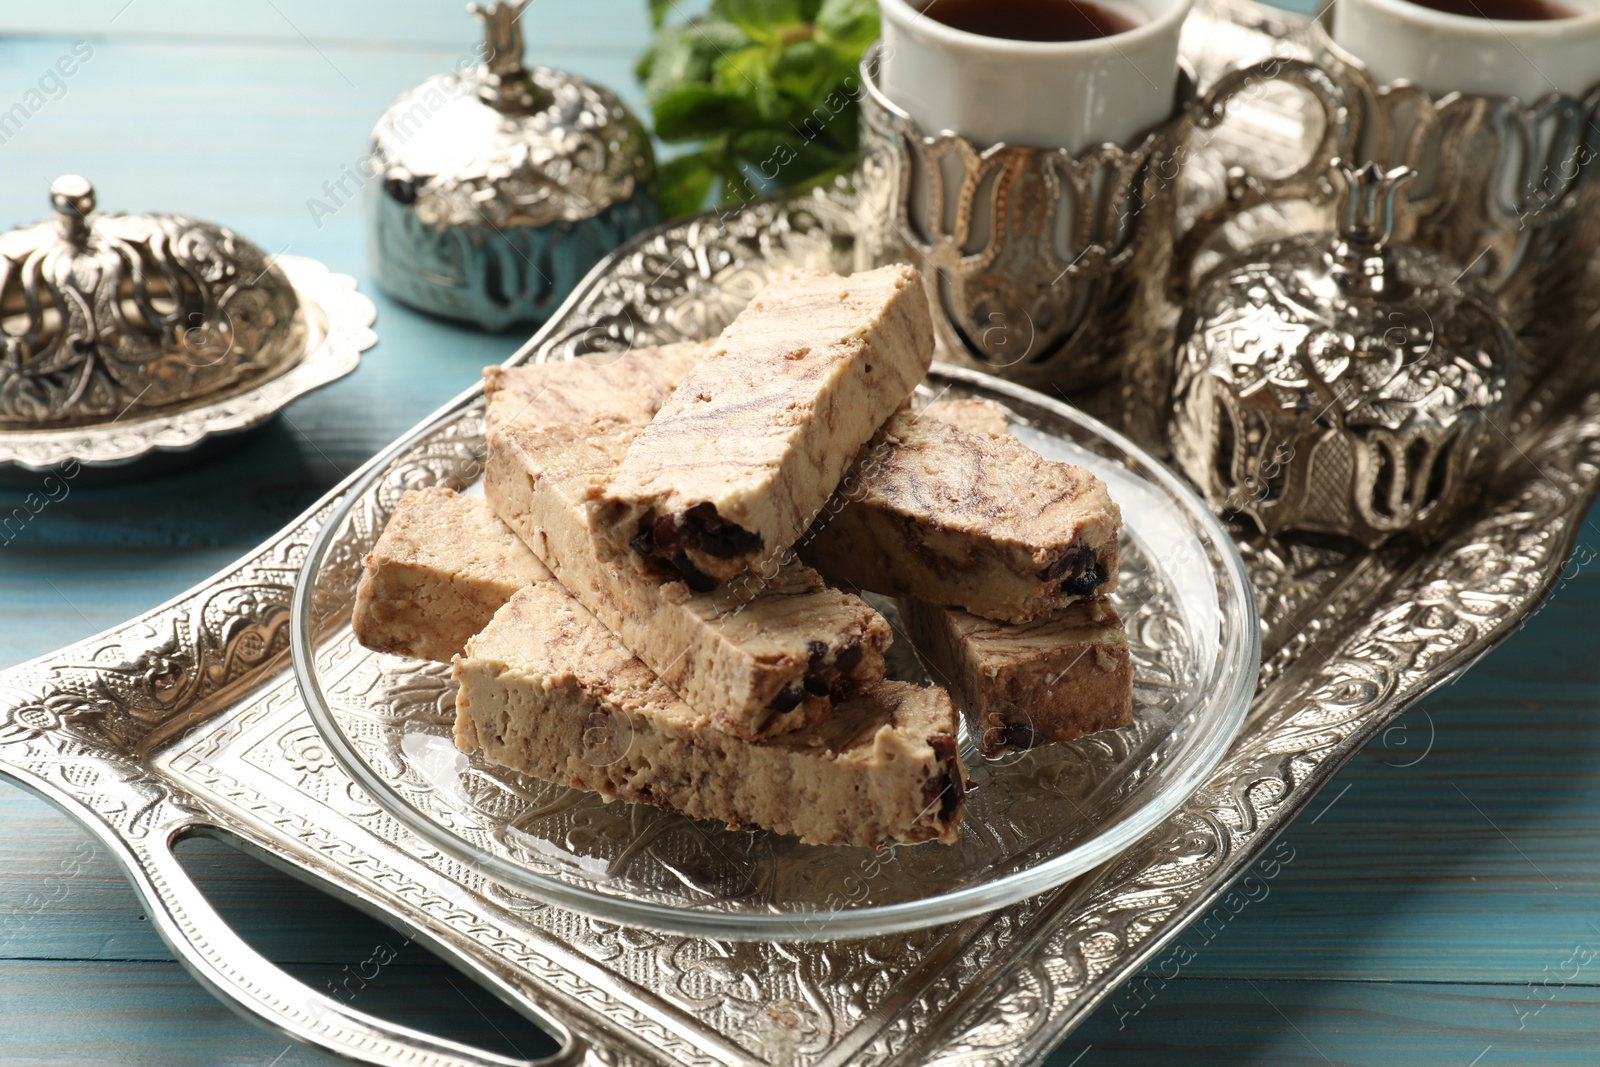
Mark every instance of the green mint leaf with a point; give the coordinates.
(688, 55)
(645, 64)
(685, 184)
(848, 26)
(805, 72)
(767, 21)
(659, 10)
(697, 112)
(748, 73)
(833, 122)
(784, 157)
(767, 89)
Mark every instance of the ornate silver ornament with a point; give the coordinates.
(1509, 189)
(499, 190)
(1348, 385)
(108, 316)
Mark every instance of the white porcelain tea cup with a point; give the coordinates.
(1443, 52)
(1066, 94)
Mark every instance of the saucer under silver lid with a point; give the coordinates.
(337, 329)
(501, 188)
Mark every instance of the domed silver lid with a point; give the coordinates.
(105, 315)
(1342, 383)
(509, 145)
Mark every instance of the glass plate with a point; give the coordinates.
(1033, 820)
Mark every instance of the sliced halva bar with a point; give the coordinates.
(976, 521)
(565, 701)
(1025, 684)
(548, 691)
(972, 414)
(565, 389)
(741, 458)
(760, 658)
(442, 567)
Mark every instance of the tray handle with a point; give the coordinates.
(262, 992)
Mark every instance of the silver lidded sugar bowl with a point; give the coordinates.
(106, 316)
(1342, 384)
(500, 189)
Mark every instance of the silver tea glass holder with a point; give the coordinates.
(1066, 271)
(1509, 189)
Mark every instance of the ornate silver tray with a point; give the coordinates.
(339, 321)
(187, 720)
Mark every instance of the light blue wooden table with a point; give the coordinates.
(1440, 904)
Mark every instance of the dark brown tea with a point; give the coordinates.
(1036, 20)
(1505, 10)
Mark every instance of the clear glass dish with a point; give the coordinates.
(1033, 820)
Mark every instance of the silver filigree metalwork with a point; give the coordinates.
(1048, 267)
(1042, 264)
(1509, 189)
(337, 329)
(500, 189)
(1345, 384)
(103, 315)
(186, 720)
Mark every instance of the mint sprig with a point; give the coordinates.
(766, 90)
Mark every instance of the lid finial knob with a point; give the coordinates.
(506, 85)
(73, 199)
(1366, 224)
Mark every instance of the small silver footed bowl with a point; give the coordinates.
(1348, 385)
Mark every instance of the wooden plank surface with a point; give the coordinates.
(127, 1014)
(132, 1014)
(1424, 894)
